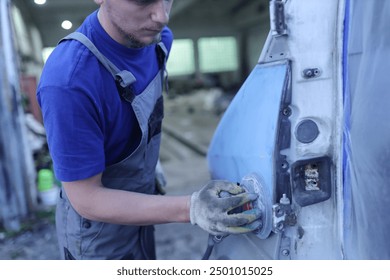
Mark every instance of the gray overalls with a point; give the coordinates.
(80, 238)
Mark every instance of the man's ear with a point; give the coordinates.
(99, 2)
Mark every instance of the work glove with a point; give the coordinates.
(212, 209)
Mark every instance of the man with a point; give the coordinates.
(101, 98)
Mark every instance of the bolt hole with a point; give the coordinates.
(286, 111)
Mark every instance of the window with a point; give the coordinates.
(181, 58)
(217, 54)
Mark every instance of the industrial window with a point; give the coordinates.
(217, 54)
(181, 58)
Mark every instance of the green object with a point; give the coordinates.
(45, 180)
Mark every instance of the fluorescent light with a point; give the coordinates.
(66, 24)
(39, 2)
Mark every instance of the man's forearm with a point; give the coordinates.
(95, 202)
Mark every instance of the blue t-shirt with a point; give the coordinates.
(88, 125)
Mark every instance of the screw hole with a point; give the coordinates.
(284, 165)
(286, 111)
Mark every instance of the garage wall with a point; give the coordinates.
(250, 27)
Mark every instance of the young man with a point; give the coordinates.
(101, 98)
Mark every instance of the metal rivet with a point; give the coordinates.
(286, 111)
(86, 224)
(285, 252)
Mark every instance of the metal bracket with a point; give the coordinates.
(277, 47)
(310, 73)
(277, 17)
(282, 215)
(284, 252)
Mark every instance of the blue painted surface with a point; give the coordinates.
(366, 130)
(347, 119)
(244, 141)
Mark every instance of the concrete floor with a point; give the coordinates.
(182, 241)
(189, 117)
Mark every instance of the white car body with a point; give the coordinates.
(311, 120)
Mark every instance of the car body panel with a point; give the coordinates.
(335, 128)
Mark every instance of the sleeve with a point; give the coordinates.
(74, 132)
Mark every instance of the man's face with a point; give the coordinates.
(134, 23)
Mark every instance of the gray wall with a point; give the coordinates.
(250, 26)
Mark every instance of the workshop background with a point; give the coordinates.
(217, 44)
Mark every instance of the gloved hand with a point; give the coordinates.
(209, 209)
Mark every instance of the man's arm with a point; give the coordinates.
(95, 202)
(206, 207)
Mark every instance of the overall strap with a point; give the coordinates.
(162, 54)
(123, 79)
